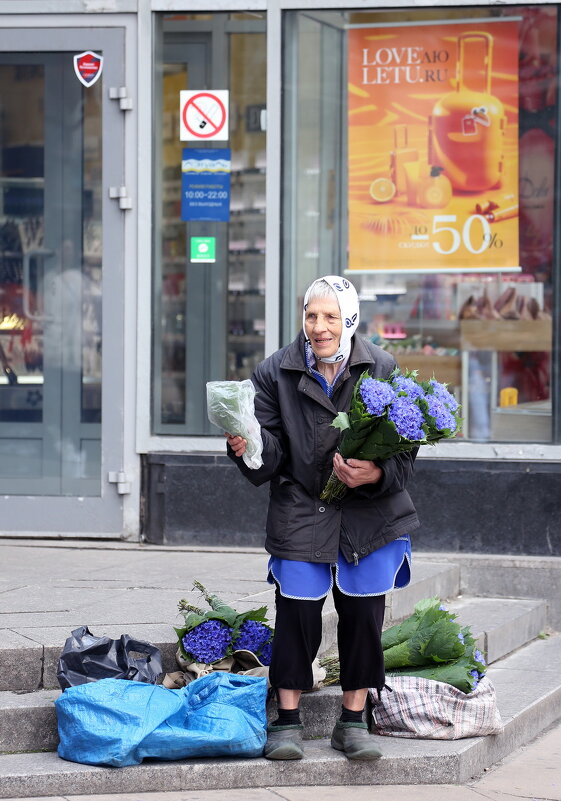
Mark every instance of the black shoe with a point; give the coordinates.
(284, 742)
(354, 740)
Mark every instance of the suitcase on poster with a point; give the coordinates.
(466, 127)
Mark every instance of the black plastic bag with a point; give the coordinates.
(87, 658)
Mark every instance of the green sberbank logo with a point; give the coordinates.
(203, 249)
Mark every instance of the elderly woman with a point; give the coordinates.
(357, 548)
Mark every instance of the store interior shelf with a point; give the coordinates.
(446, 369)
(506, 335)
(429, 324)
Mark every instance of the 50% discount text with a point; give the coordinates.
(448, 236)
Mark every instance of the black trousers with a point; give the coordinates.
(298, 637)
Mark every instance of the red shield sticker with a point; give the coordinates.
(88, 66)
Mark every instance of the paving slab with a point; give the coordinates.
(531, 772)
(245, 794)
(508, 576)
(22, 658)
(501, 625)
(28, 721)
(131, 566)
(430, 792)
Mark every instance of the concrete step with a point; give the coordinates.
(29, 656)
(529, 697)
(28, 721)
(501, 625)
(428, 579)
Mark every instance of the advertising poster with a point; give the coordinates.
(205, 184)
(433, 146)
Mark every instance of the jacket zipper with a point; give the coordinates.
(354, 551)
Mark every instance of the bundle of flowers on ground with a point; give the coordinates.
(429, 644)
(211, 636)
(390, 416)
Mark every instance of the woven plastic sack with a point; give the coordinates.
(425, 708)
(231, 407)
(119, 723)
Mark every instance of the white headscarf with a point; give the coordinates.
(348, 305)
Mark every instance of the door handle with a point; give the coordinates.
(43, 253)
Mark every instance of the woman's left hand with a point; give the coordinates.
(355, 472)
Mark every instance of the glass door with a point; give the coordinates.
(57, 291)
(209, 315)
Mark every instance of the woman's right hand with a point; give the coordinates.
(238, 444)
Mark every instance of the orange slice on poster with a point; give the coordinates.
(382, 190)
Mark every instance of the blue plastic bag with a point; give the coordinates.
(116, 722)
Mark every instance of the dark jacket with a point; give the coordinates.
(298, 448)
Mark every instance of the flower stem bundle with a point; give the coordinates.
(391, 416)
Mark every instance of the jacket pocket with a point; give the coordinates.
(395, 507)
(281, 504)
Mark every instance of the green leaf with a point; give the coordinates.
(341, 421)
(228, 616)
(181, 632)
(428, 635)
(259, 615)
(405, 630)
(443, 644)
(456, 673)
(193, 619)
(398, 656)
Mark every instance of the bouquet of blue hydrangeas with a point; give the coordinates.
(210, 636)
(390, 416)
(431, 644)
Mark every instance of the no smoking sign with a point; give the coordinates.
(203, 115)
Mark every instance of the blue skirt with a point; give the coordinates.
(386, 569)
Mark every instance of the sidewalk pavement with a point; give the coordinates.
(49, 587)
(533, 772)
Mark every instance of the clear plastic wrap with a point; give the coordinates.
(231, 407)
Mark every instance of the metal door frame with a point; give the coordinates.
(192, 52)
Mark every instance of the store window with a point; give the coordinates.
(419, 152)
(209, 226)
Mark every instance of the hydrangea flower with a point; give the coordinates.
(403, 384)
(442, 393)
(208, 642)
(252, 636)
(266, 653)
(443, 416)
(407, 418)
(475, 675)
(376, 395)
(479, 657)
(461, 637)
(402, 400)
